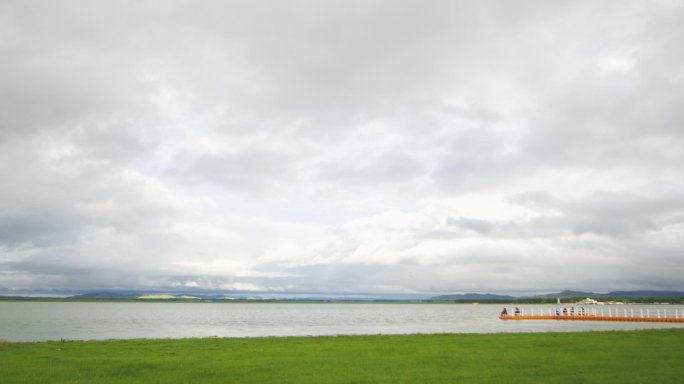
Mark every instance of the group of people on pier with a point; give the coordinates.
(580, 312)
(517, 312)
(559, 312)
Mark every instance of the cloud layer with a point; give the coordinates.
(374, 146)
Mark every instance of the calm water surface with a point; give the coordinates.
(30, 321)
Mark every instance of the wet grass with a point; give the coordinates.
(650, 356)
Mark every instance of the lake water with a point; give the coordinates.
(31, 321)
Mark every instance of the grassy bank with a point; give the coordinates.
(652, 356)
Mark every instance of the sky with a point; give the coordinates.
(342, 145)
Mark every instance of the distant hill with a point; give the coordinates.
(614, 294)
(644, 294)
(474, 297)
(633, 296)
(566, 294)
(106, 295)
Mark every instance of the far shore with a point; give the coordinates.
(172, 299)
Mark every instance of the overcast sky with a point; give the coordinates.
(358, 146)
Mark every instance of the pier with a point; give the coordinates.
(599, 314)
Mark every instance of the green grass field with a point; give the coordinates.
(652, 356)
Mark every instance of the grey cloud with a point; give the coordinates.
(129, 131)
(474, 158)
(611, 213)
(40, 228)
(371, 170)
(612, 117)
(49, 89)
(477, 114)
(252, 172)
(65, 273)
(475, 225)
(48, 202)
(119, 142)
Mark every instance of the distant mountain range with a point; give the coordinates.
(474, 297)
(106, 295)
(614, 294)
(218, 295)
(109, 295)
(469, 297)
(669, 296)
(565, 294)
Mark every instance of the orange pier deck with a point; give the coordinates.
(591, 317)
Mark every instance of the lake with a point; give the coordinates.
(34, 321)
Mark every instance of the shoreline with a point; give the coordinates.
(311, 301)
(337, 336)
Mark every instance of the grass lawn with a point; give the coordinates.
(651, 356)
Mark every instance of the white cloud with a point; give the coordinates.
(344, 146)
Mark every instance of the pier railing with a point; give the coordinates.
(598, 314)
